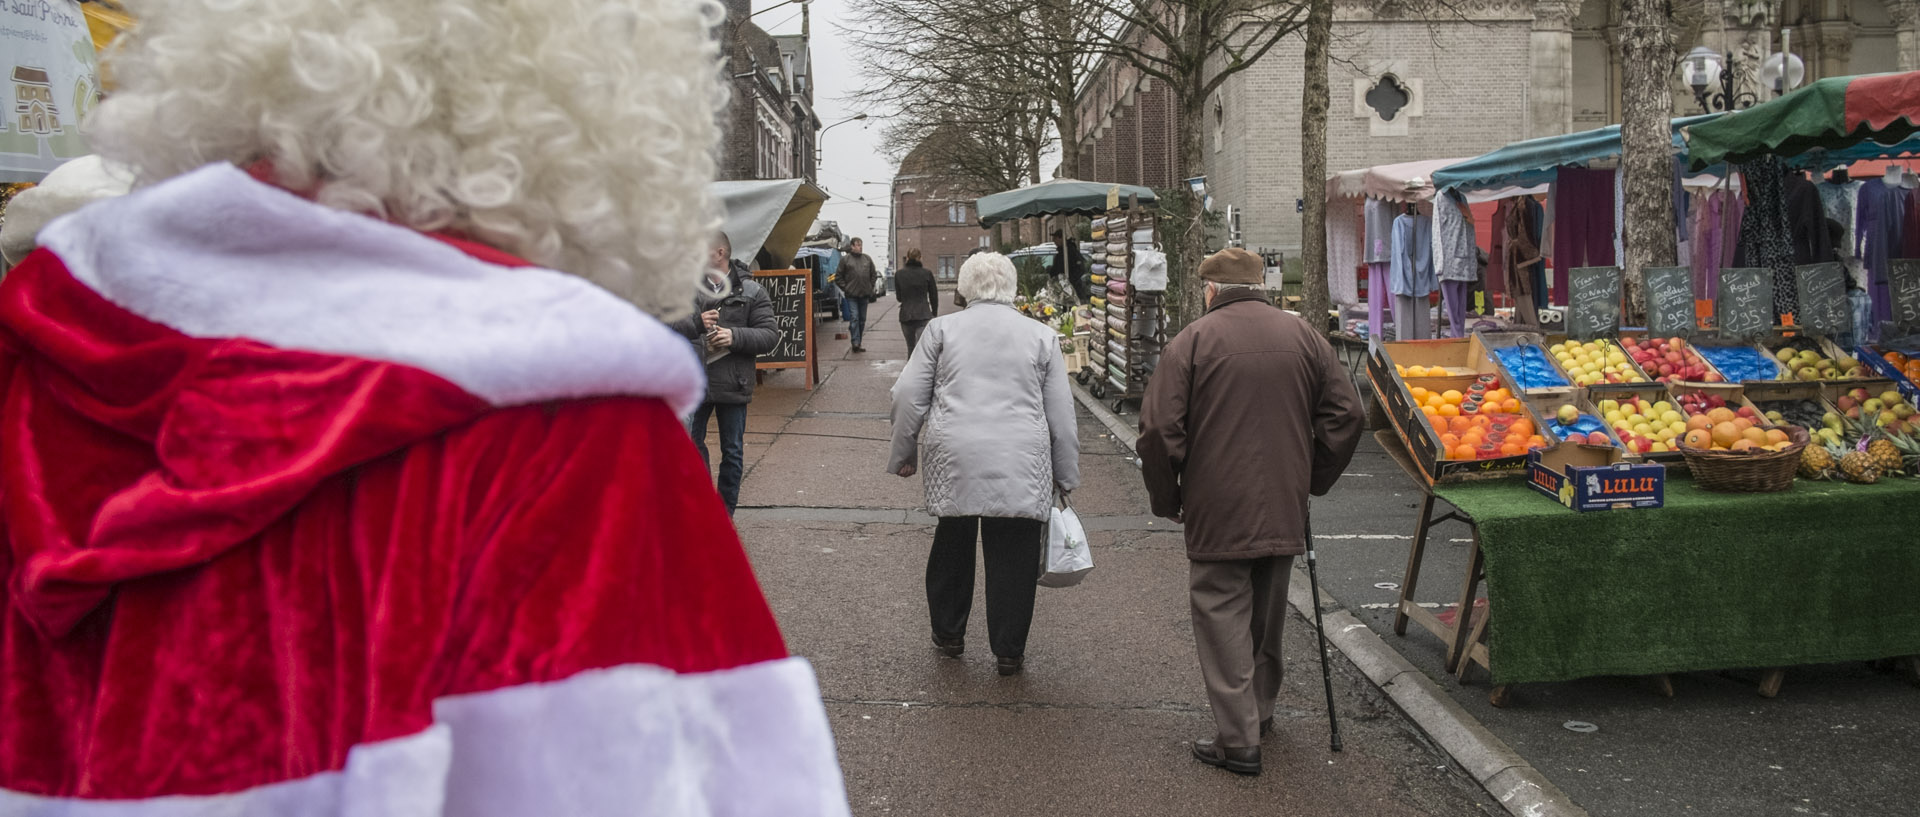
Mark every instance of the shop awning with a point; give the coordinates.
(1831, 114)
(1523, 164)
(1054, 198)
(1406, 181)
(774, 214)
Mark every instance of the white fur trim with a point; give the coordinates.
(631, 740)
(216, 254)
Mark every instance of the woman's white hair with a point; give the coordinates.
(988, 276)
(577, 134)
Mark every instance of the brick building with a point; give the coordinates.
(1456, 82)
(931, 215)
(771, 130)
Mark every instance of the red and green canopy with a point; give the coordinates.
(1831, 114)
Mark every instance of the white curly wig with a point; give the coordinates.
(578, 134)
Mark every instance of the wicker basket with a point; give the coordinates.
(1746, 472)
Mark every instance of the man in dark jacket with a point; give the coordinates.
(730, 332)
(919, 298)
(1249, 412)
(1068, 259)
(858, 280)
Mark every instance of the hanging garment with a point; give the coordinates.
(1766, 240)
(1454, 253)
(1537, 216)
(1411, 268)
(1877, 231)
(1583, 223)
(1807, 221)
(1379, 238)
(1494, 275)
(1343, 252)
(1377, 296)
(1522, 262)
(1456, 296)
(1704, 259)
(1840, 202)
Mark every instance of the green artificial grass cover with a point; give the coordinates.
(1826, 572)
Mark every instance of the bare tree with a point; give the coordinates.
(1316, 299)
(1646, 104)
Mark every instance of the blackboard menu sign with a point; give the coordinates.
(1745, 308)
(792, 294)
(1670, 304)
(1823, 298)
(1903, 277)
(1593, 302)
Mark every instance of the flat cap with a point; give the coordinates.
(1234, 266)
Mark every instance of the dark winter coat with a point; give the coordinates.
(918, 294)
(1248, 413)
(749, 313)
(858, 278)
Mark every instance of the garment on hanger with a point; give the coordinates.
(1343, 251)
(1584, 224)
(1807, 221)
(1522, 264)
(1766, 240)
(1455, 256)
(1411, 267)
(1494, 276)
(1877, 228)
(1379, 217)
(1840, 202)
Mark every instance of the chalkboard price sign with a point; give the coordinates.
(792, 294)
(1903, 277)
(1670, 307)
(1745, 307)
(1823, 298)
(1593, 302)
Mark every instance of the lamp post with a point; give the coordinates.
(1710, 75)
(819, 138)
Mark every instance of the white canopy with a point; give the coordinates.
(775, 214)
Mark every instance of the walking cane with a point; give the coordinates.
(1319, 629)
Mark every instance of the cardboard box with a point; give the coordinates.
(1422, 442)
(1590, 478)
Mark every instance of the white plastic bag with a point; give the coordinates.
(1149, 270)
(1067, 559)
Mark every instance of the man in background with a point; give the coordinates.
(1249, 412)
(858, 281)
(731, 329)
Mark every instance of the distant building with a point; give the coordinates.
(934, 216)
(770, 125)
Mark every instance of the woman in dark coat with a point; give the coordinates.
(919, 298)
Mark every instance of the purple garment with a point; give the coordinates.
(1377, 297)
(1882, 211)
(1456, 295)
(1583, 224)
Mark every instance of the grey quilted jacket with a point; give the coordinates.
(983, 411)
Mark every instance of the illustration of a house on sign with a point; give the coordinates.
(33, 102)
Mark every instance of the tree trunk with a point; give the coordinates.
(1187, 236)
(1647, 57)
(1316, 300)
(1067, 122)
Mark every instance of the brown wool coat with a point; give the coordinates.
(1248, 413)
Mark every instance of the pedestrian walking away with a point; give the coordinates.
(1249, 412)
(859, 281)
(730, 328)
(919, 298)
(988, 412)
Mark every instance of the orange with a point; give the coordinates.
(1721, 415)
(1430, 411)
(1473, 438)
(1452, 396)
(1522, 427)
(1757, 436)
(1463, 452)
(1725, 433)
(1419, 395)
(1459, 425)
(1536, 441)
(1449, 410)
(1699, 422)
(1434, 400)
(1742, 423)
(1416, 371)
(1449, 440)
(1511, 450)
(1510, 406)
(1495, 395)
(1698, 438)
(1776, 436)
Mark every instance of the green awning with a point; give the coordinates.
(1831, 114)
(1054, 198)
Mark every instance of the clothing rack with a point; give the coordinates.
(1132, 323)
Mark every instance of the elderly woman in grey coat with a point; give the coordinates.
(982, 410)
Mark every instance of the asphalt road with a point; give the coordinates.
(1102, 720)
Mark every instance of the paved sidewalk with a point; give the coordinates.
(1102, 721)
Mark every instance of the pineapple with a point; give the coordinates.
(1859, 468)
(1816, 462)
(1886, 456)
(1909, 449)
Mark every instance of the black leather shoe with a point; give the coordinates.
(1239, 761)
(1266, 726)
(950, 647)
(1009, 666)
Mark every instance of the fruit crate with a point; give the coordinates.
(1422, 440)
(1633, 375)
(1757, 394)
(1821, 346)
(1875, 358)
(1879, 390)
(1650, 393)
(1690, 358)
(1457, 356)
(1548, 409)
(1494, 342)
(1714, 346)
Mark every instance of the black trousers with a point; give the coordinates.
(1012, 548)
(912, 330)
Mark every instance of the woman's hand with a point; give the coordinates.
(905, 471)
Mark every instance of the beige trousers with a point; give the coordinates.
(1238, 609)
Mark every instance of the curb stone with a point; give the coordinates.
(1509, 778)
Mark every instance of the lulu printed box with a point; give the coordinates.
(1591, 478)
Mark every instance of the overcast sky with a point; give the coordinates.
(850, 153)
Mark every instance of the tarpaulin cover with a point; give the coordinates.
(1831, 114)
(1054, 198)
(775, 214)
(1404, 182)
(1533, 161)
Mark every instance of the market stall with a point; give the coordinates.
(769, 221)
(1363, 209)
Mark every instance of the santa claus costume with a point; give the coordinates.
(313, 512)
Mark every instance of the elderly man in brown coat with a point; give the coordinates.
(1249, 412)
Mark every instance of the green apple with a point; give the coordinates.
(1568, 414)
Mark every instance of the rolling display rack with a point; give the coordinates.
(1131, 325)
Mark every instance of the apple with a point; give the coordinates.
(1568, 415)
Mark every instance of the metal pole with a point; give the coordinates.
(1319, 629)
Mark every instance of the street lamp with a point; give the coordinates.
(778, 5)
(1703, 69)
(818, 140)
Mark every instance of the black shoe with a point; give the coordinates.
(1266, 726)
(1239, 761)
(1009, 666)
(950, 647)
(858, 349)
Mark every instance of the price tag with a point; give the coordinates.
(1745, 307)
(1823, 298)
(1593, 302)
(1670, 299)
